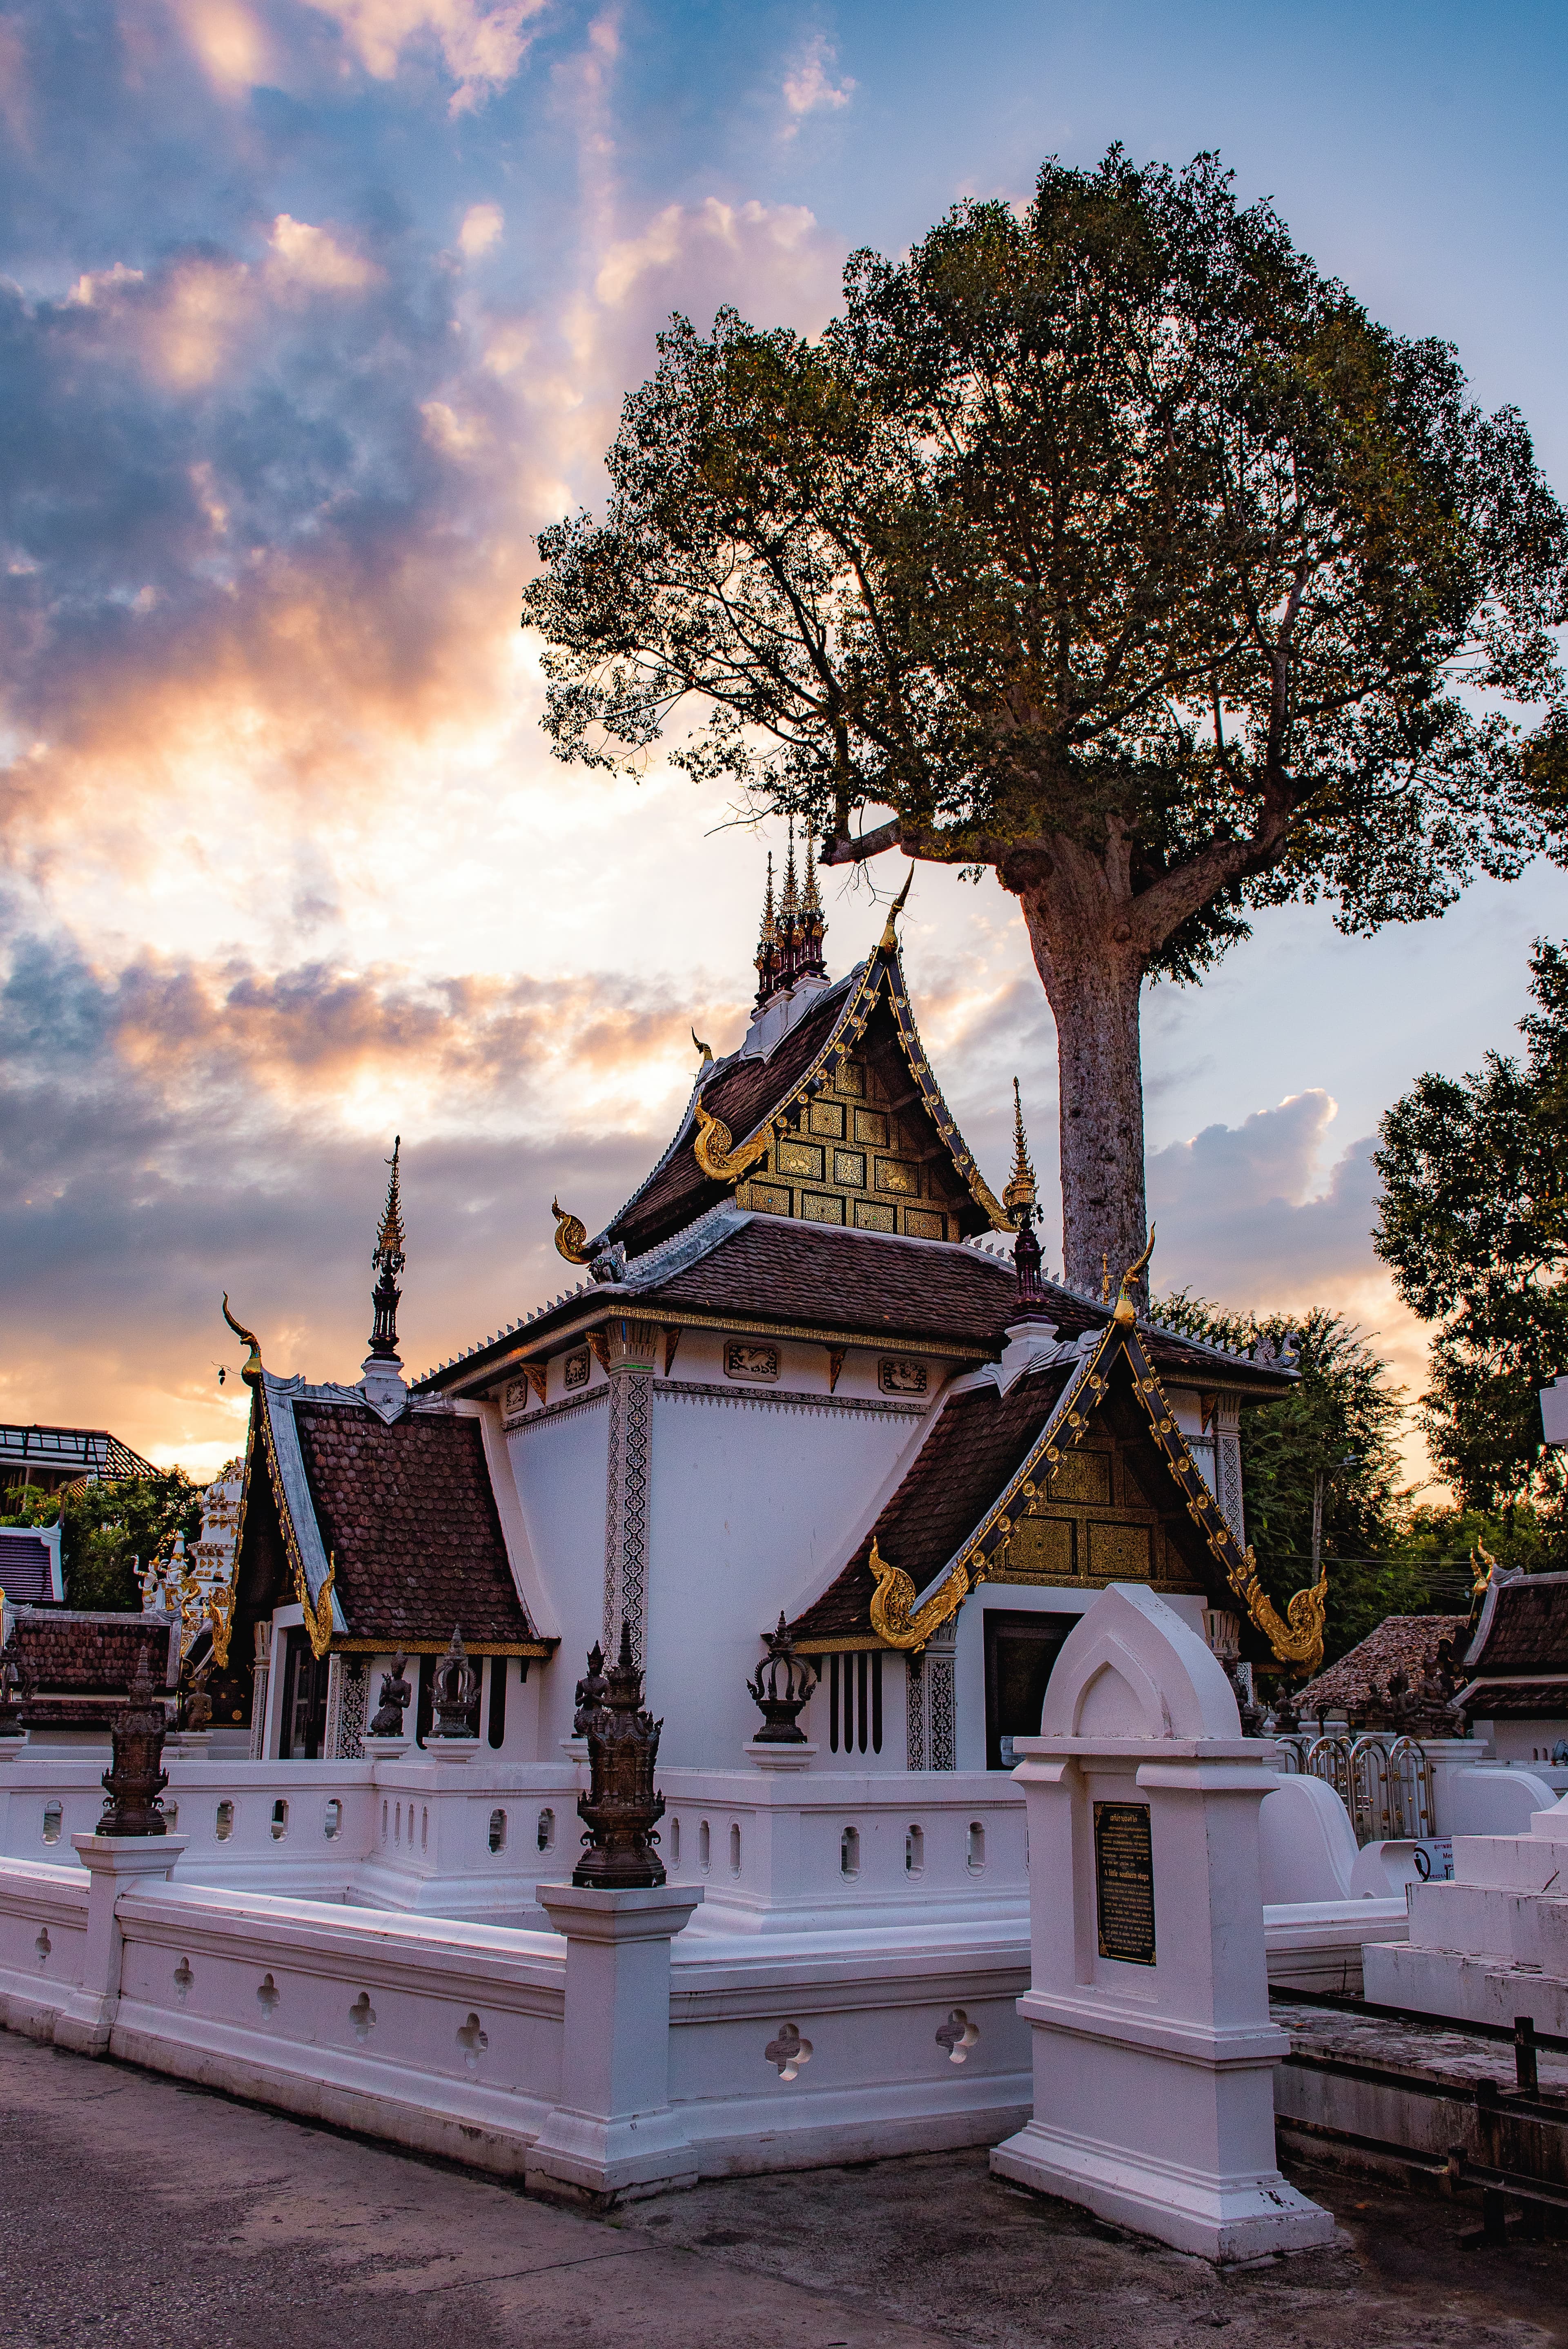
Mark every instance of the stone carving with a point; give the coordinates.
(780, 1688)
(136, 1779)
(454, 1692)
(396, 1697)
(620, 1808)
(196, 1705)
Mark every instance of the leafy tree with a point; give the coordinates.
(1112, 548)
(110, 1530)
(1343, 1411)
(1474, 1224)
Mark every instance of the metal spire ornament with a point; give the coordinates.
(1020, 1199)
(387, 1261)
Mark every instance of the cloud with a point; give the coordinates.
(482, 45)
(312, 258)
(808, 87)
(483, 226)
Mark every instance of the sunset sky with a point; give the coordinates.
(309, 315)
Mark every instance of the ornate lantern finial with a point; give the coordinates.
(454, 1691)
(1020, 1199)
(780, 1688)
(620, 1808)
(136, 1778)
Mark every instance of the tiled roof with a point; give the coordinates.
(1523, 1627)
(978, 1440)
(69, 1450)
(406, 1512)
(26, 1564)
(85, 1662)
(739, 1095)
(1406, 1643)
(1525, 1697)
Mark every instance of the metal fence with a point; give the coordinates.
(1384, 1783)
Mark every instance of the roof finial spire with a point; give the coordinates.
(789, 905)
(1018, 1196)
(387, 1261)
(766, 956)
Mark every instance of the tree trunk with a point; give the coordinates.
(1093, 978)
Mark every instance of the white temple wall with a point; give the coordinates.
(755, 1501)
(560, 1463)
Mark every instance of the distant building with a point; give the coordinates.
(49, 1457)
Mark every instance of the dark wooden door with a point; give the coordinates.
(303, 1735)
(1020, 1651)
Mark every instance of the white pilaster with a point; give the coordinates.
(116, 1863)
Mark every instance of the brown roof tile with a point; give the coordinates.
(408, 1513)
(977, 1441)
(1406, 1643)
(1524, 1627)
(85, 1661)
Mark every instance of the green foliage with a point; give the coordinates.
(1114, 530)
(1474, 1224)
(107, 1529)
(1342, 1405)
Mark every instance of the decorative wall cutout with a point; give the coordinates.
(958, 2035)
(362, 2014)
(184, 1978)
(788, 2052)
(43, 1945)
(742, 1359)
(472, 2041)
(269, 1997)
(576, 1371)
(898, 1375)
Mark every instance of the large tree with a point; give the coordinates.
(1474, 1223)
(1112, 548)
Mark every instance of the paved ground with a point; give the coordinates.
(139, 2213)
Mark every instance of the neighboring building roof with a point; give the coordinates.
(1523, 1627)
(1406, 1643)
(71, 1452)
(389, 1527)
(1525, 1696)
(735, 1265)
(84, 1663)
(29, 1563)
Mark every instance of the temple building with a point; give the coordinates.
(812, 1368)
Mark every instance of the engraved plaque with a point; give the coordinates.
(827, 1117)
(1124, 1882)
(892, 1174)
(1082, 1476)
(897, 1375)
(871, 1126)
(821, 1207)
(849, 1166)
(576, 1371)
(801, 1158)
(1040, 1549)
(922, 1224)
(742, 1359)
(770, 1198)
(871, 1215)
(1118, 1552)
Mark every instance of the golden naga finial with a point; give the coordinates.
(571, 1234)
(1485, 1567)
(890, 936)
(389, 1248)
(318, 1619)
(221, 1615)
(895, 1596)
(1298, 1639)
(715, 1154)
(1019, 1190)
(1125, 1310)
(1104, 1276)
(252, 1371)
(705, 1049)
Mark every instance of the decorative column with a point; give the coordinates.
(1228, 1466)
(914, 1712)
(941, 1706)
(629, 1351)
(260, 1673)
(348, 1696)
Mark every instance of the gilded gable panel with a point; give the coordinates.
(1119, 1553)
(1082, 1476)
(1040, 1549)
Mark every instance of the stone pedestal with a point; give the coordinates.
(116, 1863)
(613, 2135)
(451, 1750)
(1153, 2051)
(194, 1744)
(779, 1757)
(11, 1747)
(385, 1749)
(1492, 1945)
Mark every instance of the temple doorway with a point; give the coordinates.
(303, 1734)
(1020, 1651)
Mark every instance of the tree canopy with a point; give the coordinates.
(110, 1530)
(1112, 548)
(1474, 1224)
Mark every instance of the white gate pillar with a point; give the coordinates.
(1153, 2049)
